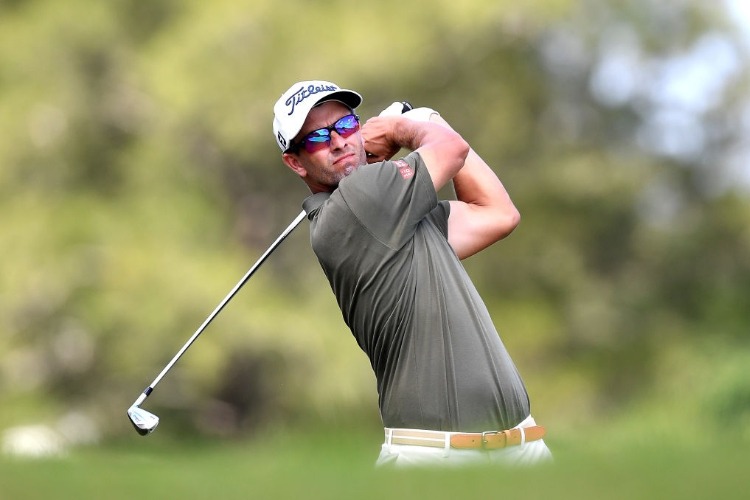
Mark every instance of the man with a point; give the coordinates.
(448, 390)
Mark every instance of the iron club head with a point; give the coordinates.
(144, 422)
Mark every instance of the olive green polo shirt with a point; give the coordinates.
(381, 239)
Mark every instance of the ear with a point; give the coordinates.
(293, 162)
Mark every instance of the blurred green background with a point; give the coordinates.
(139, 180)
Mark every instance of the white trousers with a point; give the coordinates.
(399, 455)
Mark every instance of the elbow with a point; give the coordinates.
(459, 152)
(463, 149)
(515, 220)
(507, 222)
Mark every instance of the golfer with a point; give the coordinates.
(448, 391)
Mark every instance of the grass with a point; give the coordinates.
(330, 465)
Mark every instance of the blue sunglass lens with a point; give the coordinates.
(320, 138)
(320, 135)
(346, 124)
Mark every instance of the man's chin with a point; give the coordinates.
(349, 165)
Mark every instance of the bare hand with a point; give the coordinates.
(376, 133)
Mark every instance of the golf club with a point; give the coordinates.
(145, 422)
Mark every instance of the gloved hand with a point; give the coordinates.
(396, 108)
(416, 114)
(421, 114)
(378, 149)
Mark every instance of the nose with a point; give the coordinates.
(337, 141)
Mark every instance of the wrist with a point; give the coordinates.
(405, 133)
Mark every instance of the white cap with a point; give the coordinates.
(290, 111)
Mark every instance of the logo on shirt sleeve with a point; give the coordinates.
(404, 169)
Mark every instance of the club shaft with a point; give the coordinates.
(221, 305)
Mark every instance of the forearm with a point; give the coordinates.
(483, 212)
(477, 184)
(443, 151)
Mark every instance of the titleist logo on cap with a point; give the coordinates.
(305, 92)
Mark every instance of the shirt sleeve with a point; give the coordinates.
(390, 198)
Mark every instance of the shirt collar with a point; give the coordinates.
(312, 203)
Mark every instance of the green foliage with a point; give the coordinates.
(140, 180)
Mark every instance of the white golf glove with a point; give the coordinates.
(394, 109)
(418, 114)
(421, 114)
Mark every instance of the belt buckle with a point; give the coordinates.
(493, 433)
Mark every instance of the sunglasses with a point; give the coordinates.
(321, 138)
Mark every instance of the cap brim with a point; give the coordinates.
(351, 99)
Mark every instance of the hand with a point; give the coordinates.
(421, 114)
(377, 146)
(397, 108)
(375, 134)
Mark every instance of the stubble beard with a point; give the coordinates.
(349, 167)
